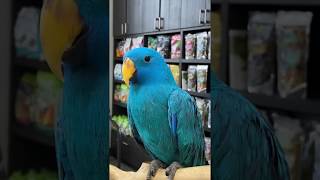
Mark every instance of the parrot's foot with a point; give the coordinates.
(154, 166)
(171, 170)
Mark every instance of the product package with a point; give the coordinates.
(175, 72)
(261, 53)
(202, 45)
(26, 34)
(176, 43)
(184, 80)
(209, 113)
(290, 135)
(293, 29)
(25, 99)
(207, 141)
(209, 46)
(190, 46)
(137, 42)
(120, 49)
(48, 96)
(192, 78)
(163, 46)
(202, 78)
(152, 43)
(123, 124)
(238, 59)
(127, 45)
(203, 108)
(117, 73)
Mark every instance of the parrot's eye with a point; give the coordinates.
(147, 59)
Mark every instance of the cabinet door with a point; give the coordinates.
(150, 11)
(190, 12)
(170, 14)
(208, 9)
(134, 16)
(119, 16)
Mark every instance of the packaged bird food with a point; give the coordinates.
(26, 33)
(120, 49)
(175, 72)
(152, 43)
(202, 105)
(202, 45)
(209, 113)
(202, 78)
(163, 46)
(192, 78)
(209, 46)
(184, 80)
(176, 43)
(117, 73)
(190, 46)
(127, 45)
(261, 53)
(137, 42)
(293, 29)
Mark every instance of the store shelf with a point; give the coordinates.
(118, 81)
(276, 2)
(173, 61)
(195, 61)
(303, 106)
(118, 60)
(33, 134)
(201, 95)
(120, 104)
(32, 64)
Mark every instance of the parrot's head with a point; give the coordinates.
(145, 66)
(61, 30)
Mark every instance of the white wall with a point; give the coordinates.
(5, 41)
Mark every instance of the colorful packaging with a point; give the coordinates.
(120, 49)
(26, 33)
(176, 43)
(202, 75)
(209, 46)
(152, 43)
(202, 45)
(25, 103)
(190, 46)
(293, 29)
(184, 81)
(117, 73)
(175, 72)
(137, 42)
(163, 46)
(127, 45)
(261, 54)
(192, 78)
(238, 59)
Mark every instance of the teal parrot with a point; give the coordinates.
(74, 37)
(244, 146)
(163, 117)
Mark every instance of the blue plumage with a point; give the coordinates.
(162, 116)
(82, 130)
(243, 143)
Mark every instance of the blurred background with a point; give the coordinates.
(266, 50)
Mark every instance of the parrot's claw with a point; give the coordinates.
(171, 170)
(154, 166)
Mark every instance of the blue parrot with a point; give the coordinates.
(244, 145)
(74, 37)
(163, 117)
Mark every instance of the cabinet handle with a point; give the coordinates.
(156, 23)
(201, 18)
(161, 23)
(121, 28)
(125, 28)
(207, 16)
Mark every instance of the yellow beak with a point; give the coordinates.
(60, 24)
(128, 70)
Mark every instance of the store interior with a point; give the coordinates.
(265, 50)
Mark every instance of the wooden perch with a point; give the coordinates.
(191, 173)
